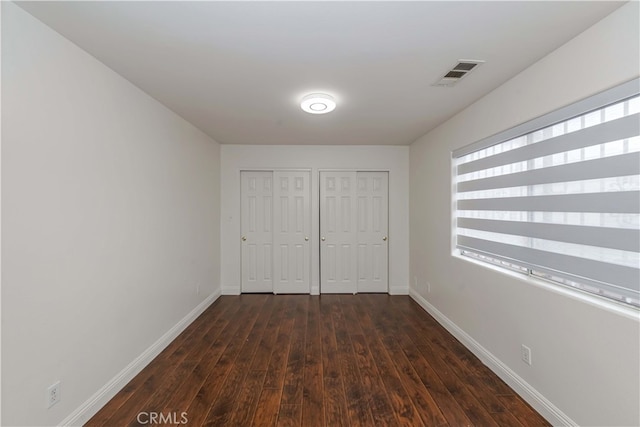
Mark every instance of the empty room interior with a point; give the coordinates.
(320, 213)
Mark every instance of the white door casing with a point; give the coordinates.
(373, 219)
(256, 231)
(338, 233)
(291, 231)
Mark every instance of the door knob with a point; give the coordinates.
(323, 239)
(306, 238)
(244, 238)
(384, 238)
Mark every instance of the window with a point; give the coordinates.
(559, 197)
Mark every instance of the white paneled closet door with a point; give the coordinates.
(354, 250)
(291, 232)
(338, 232)
(256, 231)
(373, 220)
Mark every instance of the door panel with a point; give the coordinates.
(338, 245)
(373, 213)
(256, 228)
(291, 238)
(354, 211)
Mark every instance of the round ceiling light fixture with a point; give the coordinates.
(318, 103)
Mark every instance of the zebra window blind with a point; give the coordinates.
(559, 197)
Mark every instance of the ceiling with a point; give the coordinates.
(237, 70)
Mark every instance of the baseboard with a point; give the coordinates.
(398, 290)
(89, 408)
(540, 403)
(230, 290)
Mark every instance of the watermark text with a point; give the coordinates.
(151, 417)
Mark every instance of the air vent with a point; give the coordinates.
(458, 72)
(455, 74)
(465, 66)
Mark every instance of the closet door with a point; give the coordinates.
(373, 220)
(256, 231)
(338, 232)
(291, 232)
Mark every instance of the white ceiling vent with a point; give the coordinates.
(458, 72)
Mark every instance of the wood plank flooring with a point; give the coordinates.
(330, 360)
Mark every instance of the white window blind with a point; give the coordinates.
(559, 197)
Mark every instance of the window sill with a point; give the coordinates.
(575, 294)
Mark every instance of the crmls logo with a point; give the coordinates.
(161, 418)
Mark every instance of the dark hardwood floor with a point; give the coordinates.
(333, 360)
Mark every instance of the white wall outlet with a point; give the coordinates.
(429, 287)
(53, 394)
(197, 288)
(526, 354)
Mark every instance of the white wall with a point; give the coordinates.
(585, 355)
(110, 220)
(246, 157)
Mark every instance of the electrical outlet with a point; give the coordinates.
(526, 354)
(53, 394)
(198, 289)
(429, 287)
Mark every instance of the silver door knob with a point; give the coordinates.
(323, 239)
(244, 238)
(384, 238)
(306, 239)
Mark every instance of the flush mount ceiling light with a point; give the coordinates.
(318, 103)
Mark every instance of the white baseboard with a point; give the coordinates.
(315, 290)
(89, 408)
(540, 403)
(230, 290)
(399, 290)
